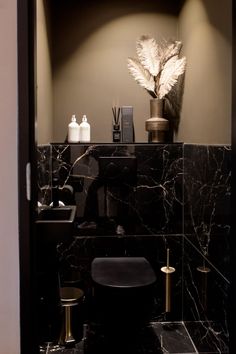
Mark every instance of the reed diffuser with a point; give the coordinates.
(116, 132)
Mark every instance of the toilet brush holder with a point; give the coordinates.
(168, 271)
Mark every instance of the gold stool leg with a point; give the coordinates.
(68, 335)
(70, 297)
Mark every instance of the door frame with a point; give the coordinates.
(27, 153)
(26, 16)
(232, 297)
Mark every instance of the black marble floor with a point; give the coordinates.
(157, 338)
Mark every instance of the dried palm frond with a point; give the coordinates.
(170, 50)
(148, 54)
(141, 75)
(158, 66)
(173, 68)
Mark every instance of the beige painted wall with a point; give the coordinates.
(9, 252)
(92, 76)
(90, 49)
(44, 131)
(95, 76)
(205, 30)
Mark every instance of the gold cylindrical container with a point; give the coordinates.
(68, 332)
(168, 271)
(156, 125)
(156, 107)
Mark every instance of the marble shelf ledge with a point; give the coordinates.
(118, 144)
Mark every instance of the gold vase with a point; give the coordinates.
(156, 125)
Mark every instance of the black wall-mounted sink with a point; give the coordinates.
(56, 214)
(55, 224)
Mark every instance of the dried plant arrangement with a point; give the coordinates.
(158, 66)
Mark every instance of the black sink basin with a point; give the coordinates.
(55, 224)
(56, 214)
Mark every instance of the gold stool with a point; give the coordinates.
(69, 297)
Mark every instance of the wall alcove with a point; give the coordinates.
(48, 81)
(79, 45)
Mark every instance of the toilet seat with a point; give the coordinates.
(123, 294)
(122, 272)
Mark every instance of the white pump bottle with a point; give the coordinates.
(73, 131)
(84, 130)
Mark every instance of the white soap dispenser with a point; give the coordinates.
(84, 130)
(73, 131)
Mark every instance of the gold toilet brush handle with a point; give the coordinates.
(168, 271)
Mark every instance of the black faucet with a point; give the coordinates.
(55, 192)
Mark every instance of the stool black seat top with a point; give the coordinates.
(122, 272)
(70, 294)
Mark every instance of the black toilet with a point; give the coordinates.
(123, 292)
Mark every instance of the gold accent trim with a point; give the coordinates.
(203, 269)
(153, 124)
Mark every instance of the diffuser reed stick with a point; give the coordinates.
(116, 114)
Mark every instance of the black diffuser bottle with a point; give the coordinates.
(116, 132)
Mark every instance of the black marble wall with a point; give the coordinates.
(44, 172)
(140, 200)
(129, 189)
(207, 175)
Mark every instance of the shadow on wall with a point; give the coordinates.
(69, 13)
(173, 106)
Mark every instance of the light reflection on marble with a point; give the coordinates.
(173, 337)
